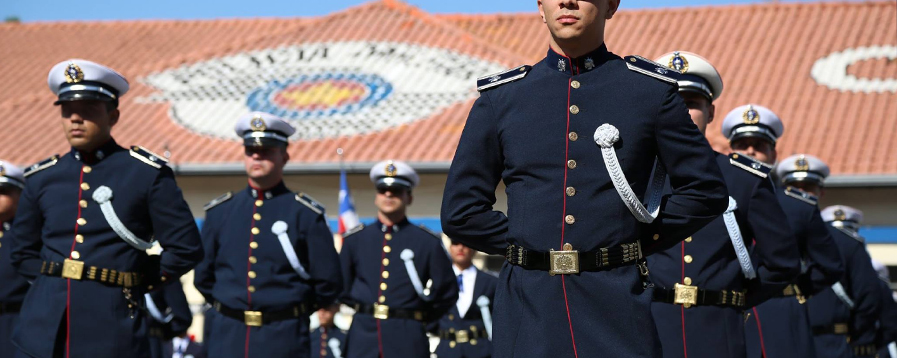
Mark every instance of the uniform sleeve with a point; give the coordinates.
(173, 226)
(26, 234)
(182, 317)
(444, 292)
(864, 291)
(824, 266)
(775, 249)
(323, 261)
(204, 273)
(699, 193)
(347, 266)
(888, 316)
(467, 204)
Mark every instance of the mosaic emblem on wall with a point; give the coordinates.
(326, 90)
(832, 71)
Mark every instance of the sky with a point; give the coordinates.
(59, 10)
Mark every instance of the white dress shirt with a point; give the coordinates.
(465, 297)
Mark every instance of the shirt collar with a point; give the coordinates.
(97, 155)
(470, 270)
(578, 65)
(278, 189)
(395, 227)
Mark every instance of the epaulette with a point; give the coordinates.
(498, 79)
(215, 202)
(44, 164)
(650, 68)
(310, 203)
(148, 157)
(353, 230)
(752, 165)
(855, 235)
(801, 195)
(431, 232)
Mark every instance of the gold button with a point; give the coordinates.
(388, 237)
(451, 317)
(252, 259)
(87, 169)
(257, 216)
(85, 186)
(255, 231)
(1, 234)
(82, 221)
(473, 342)
(251, 274)
(387, 249)
(688, 259)
(382, 299)
(573, 136)
(383, 286)
(571, 164)
(569, 219)
(452, 344)
(385, 262)
(574, 109)
(734, 156)
(656, 237)
(163, 278)
(258, 203)
(83, 203)
(687, 281)
(76, 255)
(1, 245)
(574, 84)
(79, 238)
(571, 191)
(254, 245)
(385, 274)
(688, 239)
(251, 288)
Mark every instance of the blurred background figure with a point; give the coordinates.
(12, 286)
(328, 340)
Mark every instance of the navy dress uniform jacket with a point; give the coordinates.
(526, 134)
(12, 291)
(472, 321)
(780, 326)
(708, 260)
(58, 219)
(321, 338)
(374, 272)
(171, 304)
(887, 322)
(246, 268)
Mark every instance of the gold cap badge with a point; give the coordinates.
(678, 62)
(840, 215)
(258, 124)
(801, 164)
(391, 169)
(751, 116)
(73, 73)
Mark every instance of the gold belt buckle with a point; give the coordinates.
(686, 295)
(72, 269)
(461, 336)
(381, 311)
(564, 262)
(252, 318)
(841, 328)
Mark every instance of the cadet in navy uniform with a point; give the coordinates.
(533, 128)
(705, 282)
(84, 223)
(328, 340)
(843, 315)
(170, 316)
(463, 330)
(887, 319)
(270, 257)
(386, 266)
(779, 327)
(12, 286)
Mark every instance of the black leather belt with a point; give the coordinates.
(385, 312)
(463, 335)
(865, 350)
(837, 328)
(10, 308)
(569, 261)
(693, 296)
(259, 318)
(76, 270)
(794, 290)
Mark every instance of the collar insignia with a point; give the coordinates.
(73, 73)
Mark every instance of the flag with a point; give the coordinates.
(348, 219)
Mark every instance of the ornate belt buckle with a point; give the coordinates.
(252, 318)
(381, 311)
(461, 336)
(72, 269)
(564, 262)
(686, 295)
(841, 328)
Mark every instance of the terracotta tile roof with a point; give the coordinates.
(192, 79)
